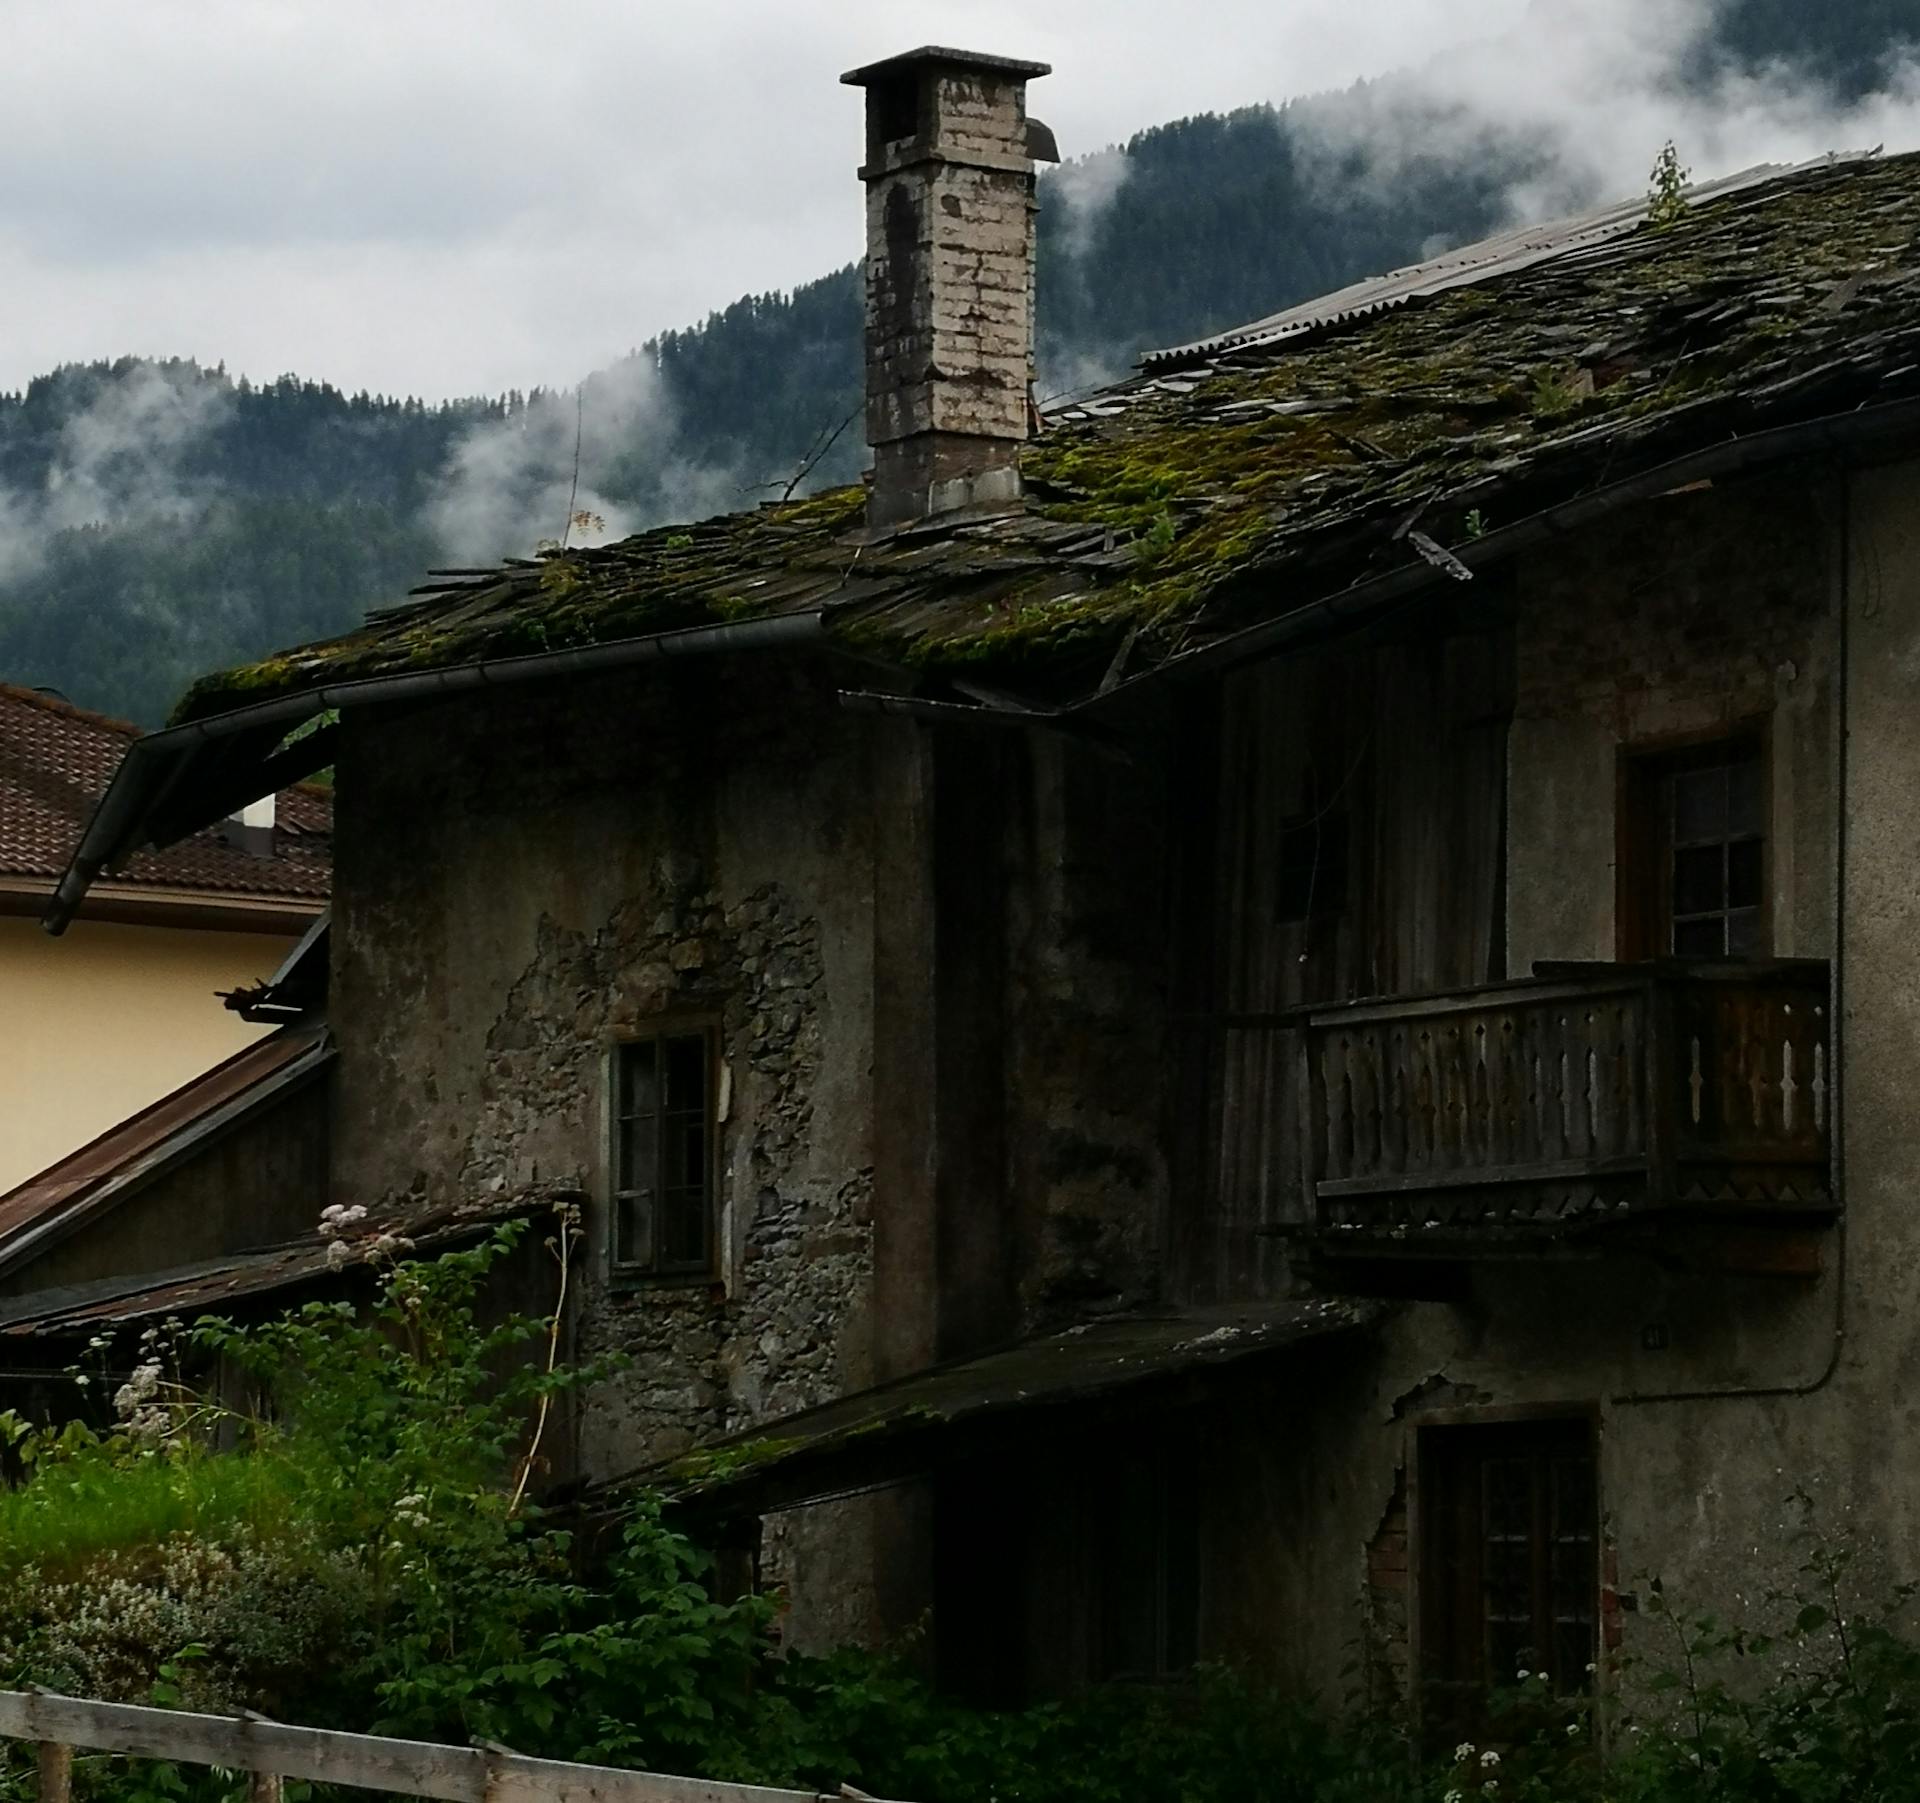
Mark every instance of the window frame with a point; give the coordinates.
(1444, 1709)
(1146, 1503)
(1644, 898)
(659, 1031)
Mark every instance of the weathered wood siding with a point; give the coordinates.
(1401, 748)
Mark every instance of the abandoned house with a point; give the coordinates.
(1268, 1013)
(104, 1027)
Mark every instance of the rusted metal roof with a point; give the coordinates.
(213, 1284)
(55, 761)
(892, 1431)
(107, 1170)
(1504, 254)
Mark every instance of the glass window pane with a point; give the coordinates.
(637, 1154)
(1700, 938)
(1745, 800)
(1699, 879)
(683, 1229)
(687, 1071)
(1743, 932)
(1745, 865)
(639, 1087)
(632, 1230)
(1699, 805)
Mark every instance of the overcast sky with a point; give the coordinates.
(451, 196)
(439, 198)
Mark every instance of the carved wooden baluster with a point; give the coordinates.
(1563, 1083)
(1596, 1081)
(1420, 1153)
(1480, 1103)
(1397, 1098)
(1337, 1085)
(1633, 1027)
(1756, 1060)
(1450, 1071)
(1539, 1083)
(1366, 1123)
(1696, 1082)
(1819, 1086)
(1786, 1085)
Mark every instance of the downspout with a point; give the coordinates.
(1836, 994)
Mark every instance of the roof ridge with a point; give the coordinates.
(59, 704)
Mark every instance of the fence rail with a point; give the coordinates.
(271, 1751)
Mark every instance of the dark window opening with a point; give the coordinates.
(1148, 1548)
(663, 1134)
(1694, 862)
(1312, 879)
(894, 111)
(1509, 1565)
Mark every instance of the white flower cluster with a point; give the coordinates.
(411, 1511)
(262, 1613)
(138, 1404)
(338, 1218)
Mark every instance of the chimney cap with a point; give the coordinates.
(938, 56)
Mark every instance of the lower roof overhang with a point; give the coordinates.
(1033, 1392)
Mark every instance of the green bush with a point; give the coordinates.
(364, 1554)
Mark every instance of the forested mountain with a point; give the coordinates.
(157, 519)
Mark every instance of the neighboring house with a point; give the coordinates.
(99, 1029)
(1279, 1018)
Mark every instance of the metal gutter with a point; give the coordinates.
(151, 762)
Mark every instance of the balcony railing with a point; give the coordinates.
(1586, 1095)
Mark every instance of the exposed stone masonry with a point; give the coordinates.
(707, 1357)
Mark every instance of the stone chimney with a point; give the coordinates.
(949, 175)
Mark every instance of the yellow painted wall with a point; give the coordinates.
(97, 1024)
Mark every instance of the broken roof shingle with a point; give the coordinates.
(1272, 470)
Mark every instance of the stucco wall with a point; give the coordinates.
(1693, 614)
(522, 879)
(257, 1184)
(107, 1019)
(1698, 614)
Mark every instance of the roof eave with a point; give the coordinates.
(154, 768)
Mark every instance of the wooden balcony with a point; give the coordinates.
(1551, 1111)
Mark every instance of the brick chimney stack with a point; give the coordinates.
(949, 175)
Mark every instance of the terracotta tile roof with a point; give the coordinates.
(56, 761)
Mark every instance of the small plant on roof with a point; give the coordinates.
(1667, 189)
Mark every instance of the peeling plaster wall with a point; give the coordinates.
(523, 878)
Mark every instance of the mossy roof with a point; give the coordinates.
(1241, 479)
(916, 1421)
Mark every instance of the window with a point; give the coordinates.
(1694, 863)
(1508, 1564)
(663, 1143)
(1148, 1549)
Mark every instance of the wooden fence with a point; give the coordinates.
(273, 1751)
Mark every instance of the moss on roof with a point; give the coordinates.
(1192, 500)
